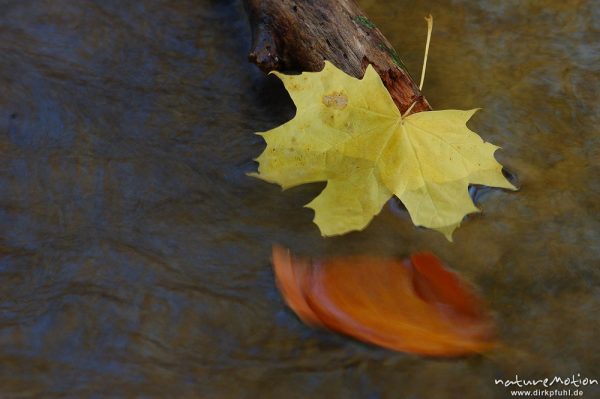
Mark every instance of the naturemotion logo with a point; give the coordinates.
(573, 381)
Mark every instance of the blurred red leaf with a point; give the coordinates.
(414, 305)
(290, 272)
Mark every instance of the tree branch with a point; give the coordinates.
(298, 35)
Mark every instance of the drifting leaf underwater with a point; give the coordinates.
(414, 306)
(349, 133)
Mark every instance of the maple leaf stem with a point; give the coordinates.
(409, 109)
(429, 20)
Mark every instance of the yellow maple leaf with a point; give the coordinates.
(349, 132)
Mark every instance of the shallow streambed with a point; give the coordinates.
(134, 250)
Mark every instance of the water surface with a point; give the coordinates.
(134, 250)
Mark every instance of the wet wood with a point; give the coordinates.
(298, 35)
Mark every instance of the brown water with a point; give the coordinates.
(134, 251)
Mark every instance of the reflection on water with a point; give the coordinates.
(134, 251)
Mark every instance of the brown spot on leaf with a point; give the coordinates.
(335, 100)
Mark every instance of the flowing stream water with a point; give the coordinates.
(134, 250)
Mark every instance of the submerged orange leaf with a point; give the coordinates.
(415, 306)
(290, 272)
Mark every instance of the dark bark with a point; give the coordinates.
(290, 35)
